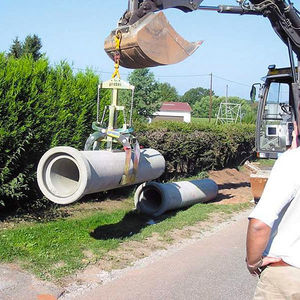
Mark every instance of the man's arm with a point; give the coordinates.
(257, 239)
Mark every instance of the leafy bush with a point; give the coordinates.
(192, 148)
(40, 107)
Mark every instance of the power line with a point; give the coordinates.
(97, 71)
(231, 81)
(201, 75)
(170, 76)
(180, 76)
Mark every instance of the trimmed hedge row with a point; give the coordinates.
(40, 107)
(190, 149)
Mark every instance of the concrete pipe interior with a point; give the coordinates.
(64, 176)
(151, 200)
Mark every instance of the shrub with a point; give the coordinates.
(192, 148)
(40, 107)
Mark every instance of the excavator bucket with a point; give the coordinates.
(150, 42)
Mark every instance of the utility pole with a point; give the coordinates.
(210, 97)
(226, 101)
(226, 93)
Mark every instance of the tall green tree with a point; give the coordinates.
(167, 92)
(16, 49)
(31, 46)
(146, 96)
(195, 94)
(201, 108)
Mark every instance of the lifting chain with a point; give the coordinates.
(117, 56)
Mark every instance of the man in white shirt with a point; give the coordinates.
(273, 237)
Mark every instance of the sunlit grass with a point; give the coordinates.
(55, 249)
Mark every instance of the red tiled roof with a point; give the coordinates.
(175, 106)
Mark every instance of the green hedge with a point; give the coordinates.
(40, 107)
(193, 148)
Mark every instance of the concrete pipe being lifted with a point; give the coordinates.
(65, 174)
(155, 198)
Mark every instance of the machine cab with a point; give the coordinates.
(274, 124)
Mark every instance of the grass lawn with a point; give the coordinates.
(58, 248)
(203, 120)
(263, 162)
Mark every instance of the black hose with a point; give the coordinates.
(291, 3)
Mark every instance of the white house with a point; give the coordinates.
(173, 111)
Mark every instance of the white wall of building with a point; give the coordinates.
(186, 115)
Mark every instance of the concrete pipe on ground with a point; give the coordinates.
(155, 198)
(65, 174)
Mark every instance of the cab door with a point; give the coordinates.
(274, 121)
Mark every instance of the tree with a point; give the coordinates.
(168, 93)
(31, 46)
(201, 108)
(16, 49)
(194, 95)
(146, 95)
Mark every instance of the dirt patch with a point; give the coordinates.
(86, 208)
(234, 186)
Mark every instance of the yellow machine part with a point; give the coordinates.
(150, 42)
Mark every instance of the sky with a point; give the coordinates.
(236, 49)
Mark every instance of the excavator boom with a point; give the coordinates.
(149, 40)
(147, 36)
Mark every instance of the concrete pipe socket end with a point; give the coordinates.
(149, 199)
(156, 198)
(62, 175)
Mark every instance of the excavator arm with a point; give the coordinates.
(148, 40)
(285, 20)
(140, 17)
(138, 9)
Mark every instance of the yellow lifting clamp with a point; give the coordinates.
(111, 132)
